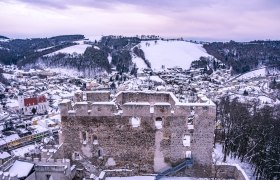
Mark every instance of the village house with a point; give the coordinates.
(39, 103)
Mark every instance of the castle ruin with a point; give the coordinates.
(146, 132)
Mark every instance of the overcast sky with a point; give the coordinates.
(194, 19)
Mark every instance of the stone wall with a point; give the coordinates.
(229, 172)
(136, 109)
(99, 109)
(129, 147)
(102, 133)
(135, 147)
(98, 96)
(152, 98)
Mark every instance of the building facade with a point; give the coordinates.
(39, 103)
(143, 131)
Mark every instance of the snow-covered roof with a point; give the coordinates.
(21, 169)
(252, 74)
(21, 151)
(4, 155)
(7, 139)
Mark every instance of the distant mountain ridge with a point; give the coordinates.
(128, 53)
(3, 37)
(21, 51)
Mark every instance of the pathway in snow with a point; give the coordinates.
(159, 163)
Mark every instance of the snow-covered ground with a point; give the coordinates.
(265, 100)
(93, 38)
(79, 49)
(3, 114)
(252, 74)
(218, 157)
(12, 103)
(65, 71)
(171, 53)
(152, 78)
(40, 50)
(21, 151)
(139, 62)
(4, 40)
(8, 76)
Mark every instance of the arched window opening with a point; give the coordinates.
(135, 121)
(188, 154)
(187, 140)
(94, 140)
(84, 137)
(77, 156)
(158, 123)
(49, 177)
(100, 153)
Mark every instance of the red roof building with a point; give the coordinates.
(34, 101)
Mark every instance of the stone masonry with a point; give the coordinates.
(143, 131)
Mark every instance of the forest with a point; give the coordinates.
(23, 51)
(246, 56)
(251, 134)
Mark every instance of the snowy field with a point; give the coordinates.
(171, 53)
(80, 49)
(66, 71)
(4, 40)
(94, 38)
(139, 62)
(252, 74)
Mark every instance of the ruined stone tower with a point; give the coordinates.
(143, 131)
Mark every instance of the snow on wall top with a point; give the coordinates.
(171, 53)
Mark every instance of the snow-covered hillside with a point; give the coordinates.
(139, 62)
(4, 40)
(262, 72)
(94, 38)
(255, 73)
(79, 49)
(170, 53)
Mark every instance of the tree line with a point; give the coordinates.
(245, 56)
(251, 134)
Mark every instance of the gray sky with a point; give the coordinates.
(239, 20)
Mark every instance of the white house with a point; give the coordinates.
(39, 103)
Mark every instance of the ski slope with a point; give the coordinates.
(170, 53)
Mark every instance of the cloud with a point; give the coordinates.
(157, 4)
(220, 19)
(166, 4)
